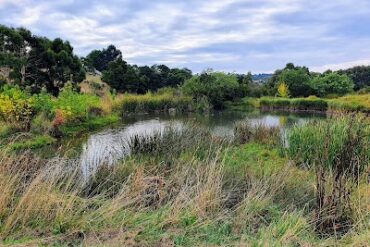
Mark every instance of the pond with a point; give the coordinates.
(109, 145)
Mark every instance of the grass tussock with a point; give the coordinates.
(245, 131)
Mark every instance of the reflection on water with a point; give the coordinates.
(108, 146)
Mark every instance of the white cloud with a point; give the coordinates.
(247, 34)
(338, 66)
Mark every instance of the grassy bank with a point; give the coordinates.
(182, 188)
(38, 120)
(359, 103)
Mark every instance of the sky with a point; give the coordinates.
(228, 35)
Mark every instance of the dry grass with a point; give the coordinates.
(196, 200)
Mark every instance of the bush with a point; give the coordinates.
(216, 86)
(16, 107)
(74, 107)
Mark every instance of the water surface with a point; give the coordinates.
(109, 145)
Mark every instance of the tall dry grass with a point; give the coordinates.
(194, 200)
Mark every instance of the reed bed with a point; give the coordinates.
(130, 103)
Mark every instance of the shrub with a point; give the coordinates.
(16, 107)
(216, 86)
(74, 107)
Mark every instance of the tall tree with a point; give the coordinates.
(360, 76)
(99, 59)
(38, 62)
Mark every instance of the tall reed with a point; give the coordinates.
(338, 150)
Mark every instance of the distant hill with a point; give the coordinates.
(261, 77)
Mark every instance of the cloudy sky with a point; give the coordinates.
(228, 35)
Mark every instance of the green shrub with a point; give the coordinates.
(34, 143)
(16, 107)
(74, 107)
(218, 87)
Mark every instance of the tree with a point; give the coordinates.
(283, 90)
(114, 75)
(99, 59)
(297, 80)
(331, 83)
(360, 75)
(36, 62)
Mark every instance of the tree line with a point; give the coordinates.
(36, 63)
(124, 77)
(301, 82)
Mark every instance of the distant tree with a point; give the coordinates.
(360, 75)
(331, 83)
(177, 77)
(296, 78)
(297, 81)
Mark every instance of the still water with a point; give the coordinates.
(110, 145)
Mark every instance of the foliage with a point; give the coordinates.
(283, 90)
(72, 106)
(310, 103)
(131, 78)
(37, 62)
(33, 143)
(360, 75)
(297, 80)
(99, 59)
(15, 107)
(331, 83)
(218, 87)
(245, 132)
(351, 103)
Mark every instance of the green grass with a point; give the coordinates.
(351, 103)
(92, 124)
(310, 103)
(129, 103)
(271, 203)
(243, 104)
(34, 142)
(345, 103)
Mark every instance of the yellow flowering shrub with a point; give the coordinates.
(15, 107)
